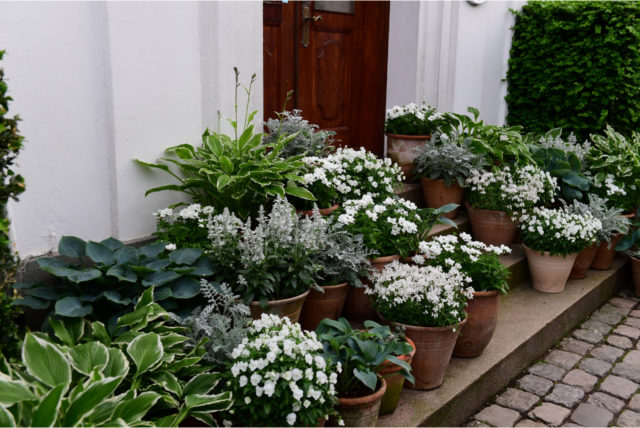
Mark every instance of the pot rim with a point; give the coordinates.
(389, 367)
(384, 259)
(282, 301)
(449, 327)
(547, 254)
(409, 137)
(365, 399)
(470, 207)
(323, 211)
(635, 259)
(485, 293)
(334, 286)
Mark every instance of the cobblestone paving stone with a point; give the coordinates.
(591, 378)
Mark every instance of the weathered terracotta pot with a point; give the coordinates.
(606, 253)
(323, 211)
(361, 411)
(319, 306)
(437, 194)
(549, 273)
(395, 381)
(583, 262)
(635, 273)
(358, 305)
(434, 346)
(482, 317)
(403, 149)
(492, 227)
(283, 308)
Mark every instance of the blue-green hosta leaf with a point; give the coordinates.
(71, 246)
(368, 378)
(159, 278)
(88, 357)
(46, 413)
(50, 262)
(116, 297)
(134, 409)
(123, 273)
(100, 253)
(72, 307)
(118, 365)
(153, 249)
(88, 399)
(47, 292)
(127, 255)
(146, 351)
(32, 302)
(112, 243)
(6, 418)
(185, 288)
(84, 275)
(203, 267)
(185, 256)
(157, 264)
(14, 391)
(163, 293)
(45, 362)
(141, 270)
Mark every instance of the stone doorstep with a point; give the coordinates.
(529, 324)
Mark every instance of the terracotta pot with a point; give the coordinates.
(395, 381)
(283, 308)
(358, 305)
(635, 273)
(323, 211)
(361, 411)
(319, 306)
(606, 253)
(434, 346)
(482, 317)
(403, 149)
(583, 262)
(437, 194)
(549, 273)
(492, 227)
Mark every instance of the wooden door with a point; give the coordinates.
(338, 72)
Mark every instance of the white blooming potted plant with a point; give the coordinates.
(495, 199)
(183, 228)
(362, 355)
(629, 244)
(408, 128)
(481, 263)
(279, 377)
(428, 301)
(552, 240)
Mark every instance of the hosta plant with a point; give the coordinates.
(279, 377)
(116, 276)
(558, 231)
(413, 119)
(478, 261)
(308, 141)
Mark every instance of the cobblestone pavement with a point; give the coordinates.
(591, 378)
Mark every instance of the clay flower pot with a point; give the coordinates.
(283, 308)
(361, 411)
(583, 262)
(395, 381)
(549, 273)
(492, 227)
(437, 194)
(403, 149)
(319, 306)
(482, 317)
(606, 253)
(635, 272)
(323, 211)
(434, 346)
(358, 305)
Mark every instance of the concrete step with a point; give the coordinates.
(529, 323)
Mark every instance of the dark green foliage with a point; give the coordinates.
(575, 65)
(567, 168)
(12, 186)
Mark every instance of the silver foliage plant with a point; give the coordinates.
(553, 140)
(309, 140)
(610, 217)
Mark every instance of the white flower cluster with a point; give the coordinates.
(450, 244)
(191, 212)
(560, 225)
(610, 186)
(571, 145)
(277, 356)
(420, 111)
(439, 291)
(398, 212)
(518, 188)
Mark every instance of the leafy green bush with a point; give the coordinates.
(575, 65)
(308, 141)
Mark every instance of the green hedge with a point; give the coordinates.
(575, 65)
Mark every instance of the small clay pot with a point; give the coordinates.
(437, 194)
(361, 411)
(390, 372)
(549, 273)
(403, 149)
(492, 227)
(319, 306)
(606, 253)
(290, 307)
(482, 317)
(323, 211)
(583, 262)
(635, 272)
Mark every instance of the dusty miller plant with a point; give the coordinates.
(610, 217)
(309, 140)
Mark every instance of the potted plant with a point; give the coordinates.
(362, 354)
(308, 141)
(342, 260)
(278, 376)
(324, 178)
(552, 240)
(443, 166)
(183, 228)
(629, 244)
(495, 198)
(408, 128)
(481, 263)
(428, 301)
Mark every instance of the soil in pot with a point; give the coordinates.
(437, 194)
(635, 272)
(482, 317)
(583, 262)
(403, 149)
(549, 273)
(606, 253)
(361, 411)
(323, 211)
(319, 306)
(290, 307)
(395, 381)
(492, 227)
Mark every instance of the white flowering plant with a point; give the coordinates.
(425, 296)
(510, 188)
(414, 119)
(610, 216)
(477, 260)
(185, 227)
(393, 226)
(362, 353)
(558, 231)
(279, 377)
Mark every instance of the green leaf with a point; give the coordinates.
(163, 293)
(46, 413)
(6, 418)
(146, 351)
(145, 299)
(45, 362)
(200, 384)
(222, 181)
(31, 302)
(127, 255)
(50, 262)
(153, 249)
(226, 164)
(88, 399)
(169, 382)
(71, 246)
(368, 378)
(72, 307)
(68, 331)
(159, 278)
(133, 410)
(185, 288)
(157, 265)
(123, 273)
(300, 192)
(14, 391)
(100, 332)
(118, 365)
(88, 357)
(185, 256)
(100, 253)
(115, 297)
(198, 400)
(112, 243)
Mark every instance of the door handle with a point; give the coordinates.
(307, 19)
